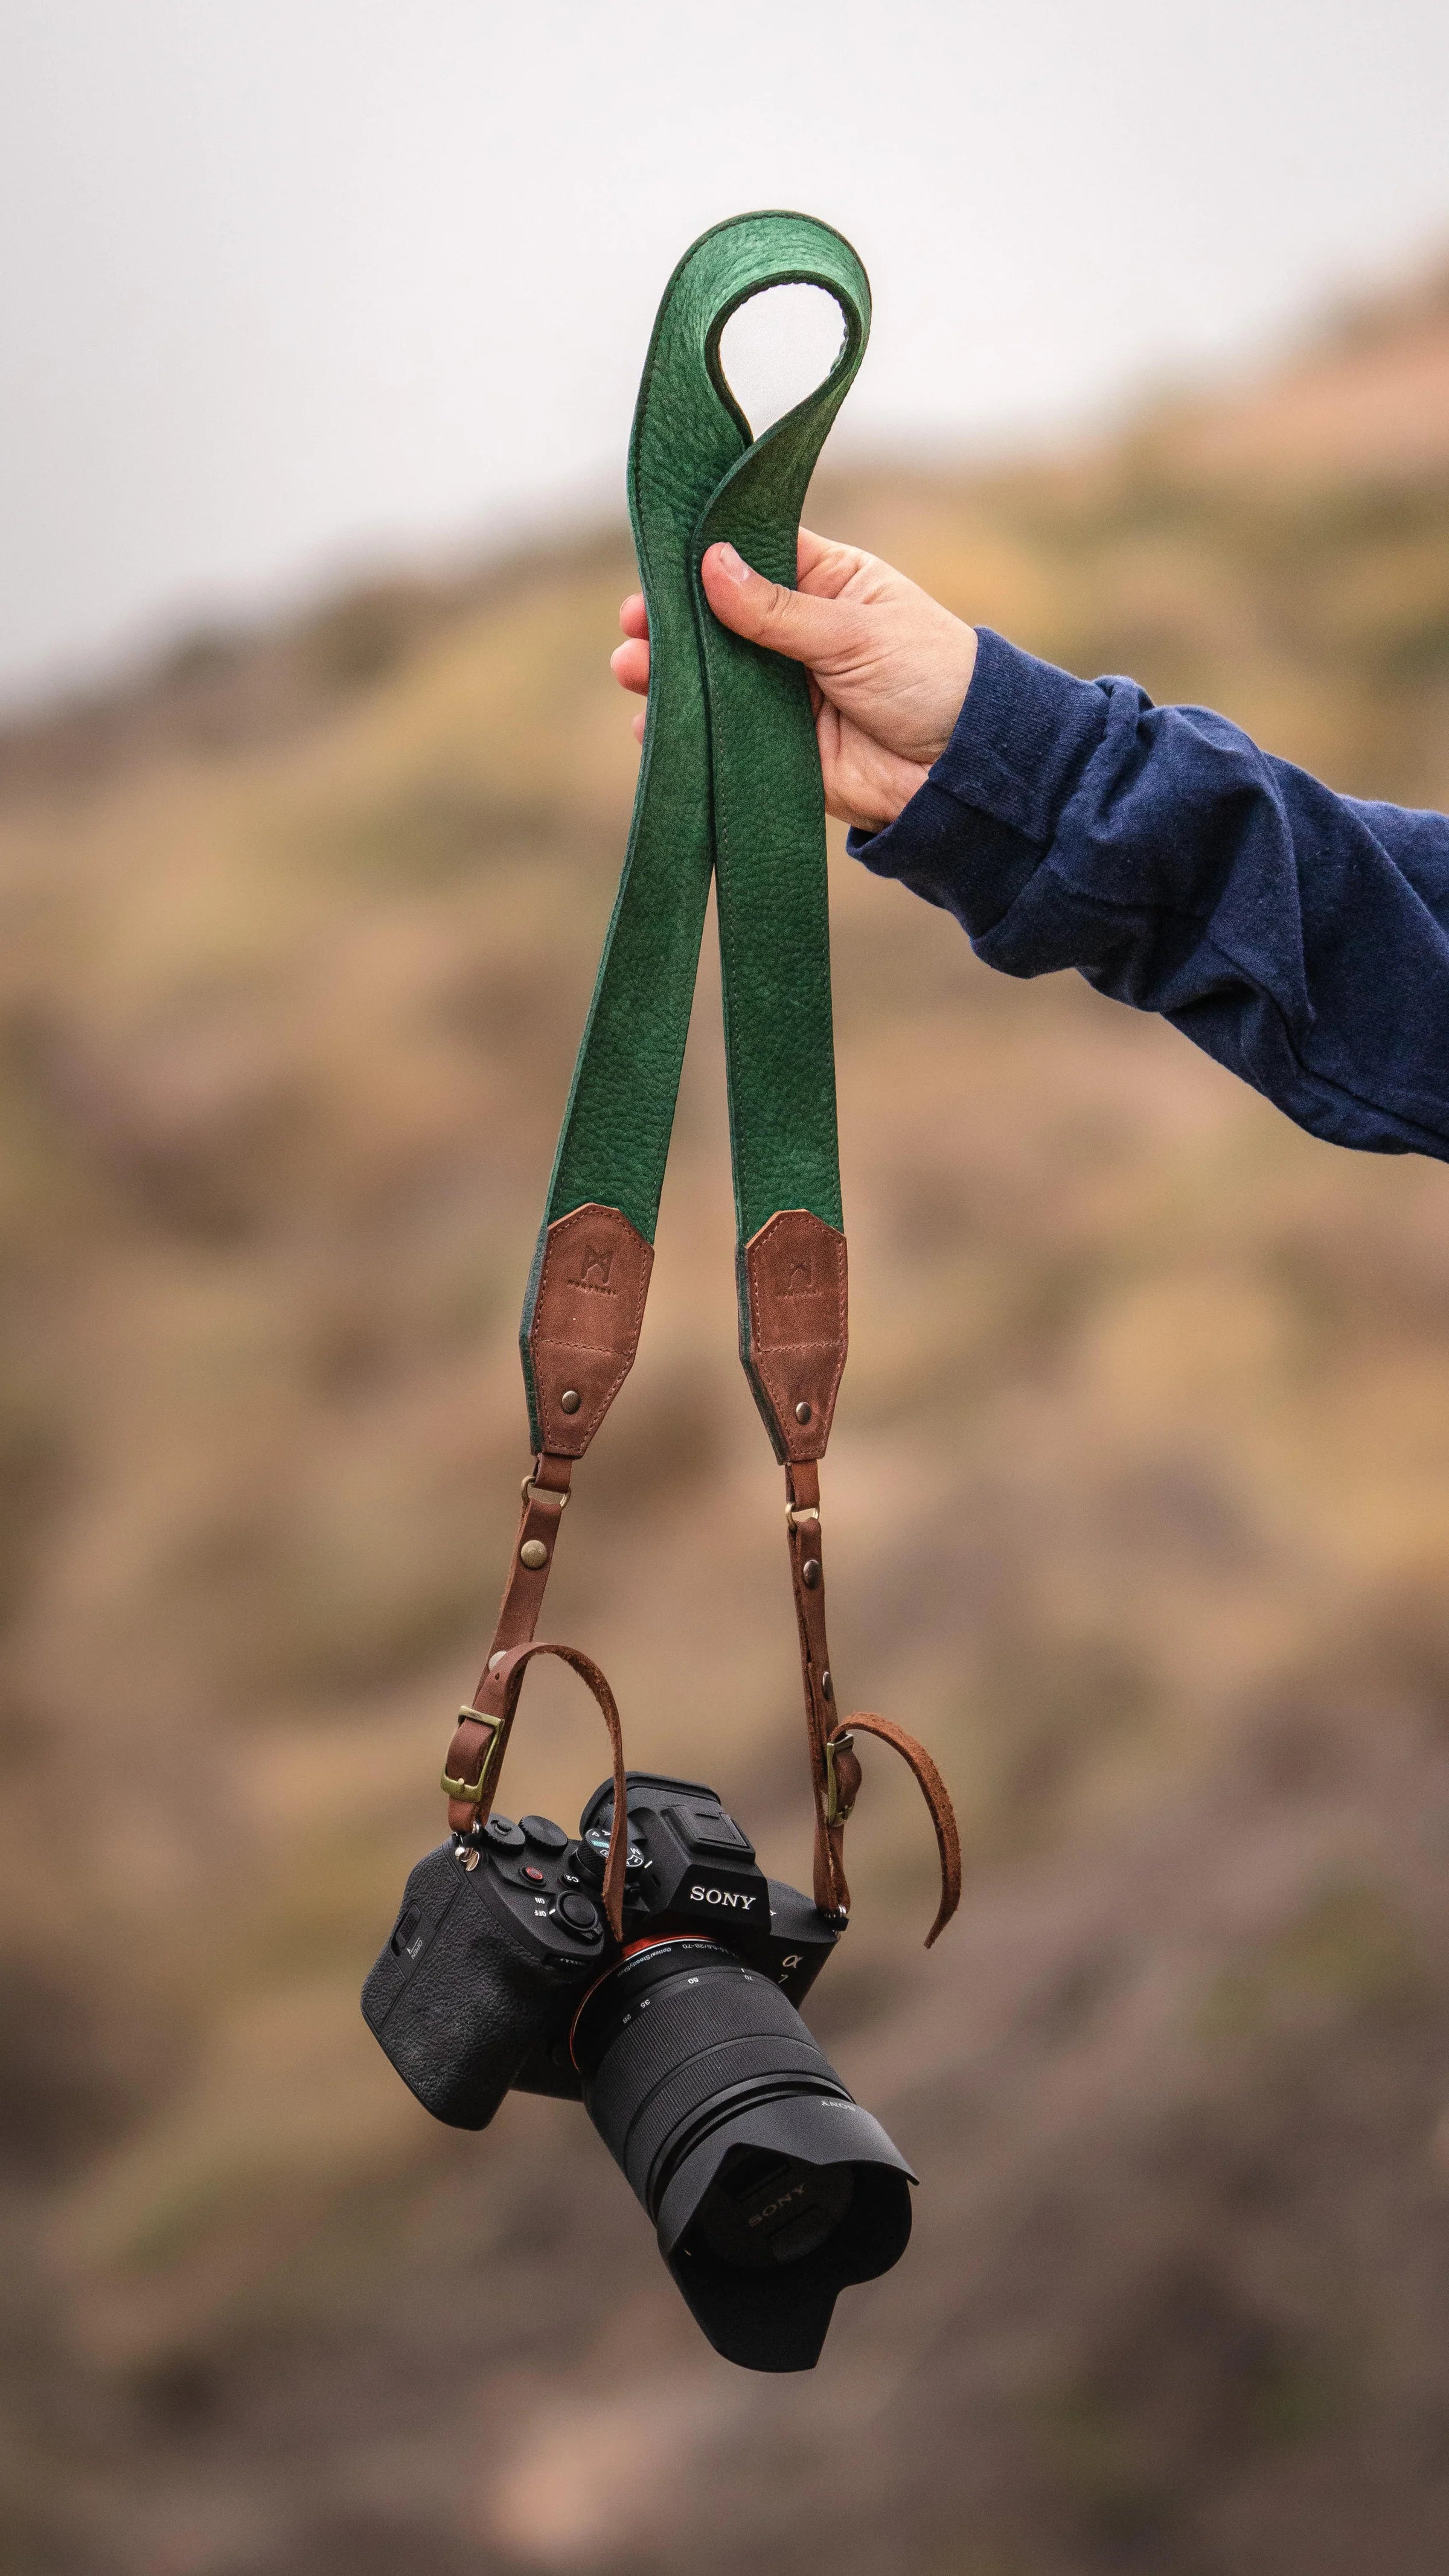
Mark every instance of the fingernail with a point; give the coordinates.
(733, 564)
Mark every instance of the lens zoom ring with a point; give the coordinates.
(701, 2036)
(689, 2012)
(731, 2062)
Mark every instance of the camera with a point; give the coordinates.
(769, 2187)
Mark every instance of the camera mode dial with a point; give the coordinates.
(593, 1853)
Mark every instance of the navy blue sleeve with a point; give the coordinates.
(1301, 937)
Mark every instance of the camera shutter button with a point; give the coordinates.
(578, 1914)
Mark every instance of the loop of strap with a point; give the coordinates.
(835, 1771)
(475, 1756)
(729, 784)
(933, 1789)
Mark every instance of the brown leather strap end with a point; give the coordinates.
(545, 1494)
(582, 1330)
(938, 1799)
(807, 1577)
(475, 1755)
(796, 1308)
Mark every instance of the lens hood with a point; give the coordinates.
(776, 2316)
(770, 2189)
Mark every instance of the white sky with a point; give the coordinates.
(288, 285)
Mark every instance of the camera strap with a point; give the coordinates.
(730, 789)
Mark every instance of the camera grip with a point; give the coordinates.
(453, 2000)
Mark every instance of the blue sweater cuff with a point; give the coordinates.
(972, 836)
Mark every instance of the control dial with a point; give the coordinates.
(578, 1914)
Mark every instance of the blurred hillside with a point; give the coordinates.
(1139, 1508)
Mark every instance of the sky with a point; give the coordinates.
(289, 288)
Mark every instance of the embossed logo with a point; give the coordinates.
(596, 1262)
(795, 1276)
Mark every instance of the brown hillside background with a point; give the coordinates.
(1139, 1512)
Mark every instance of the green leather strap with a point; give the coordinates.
(729, 787)
(729, 784)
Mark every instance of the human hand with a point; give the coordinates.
(889, 667)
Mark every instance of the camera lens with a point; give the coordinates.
(771, 2190)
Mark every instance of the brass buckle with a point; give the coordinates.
(533, 1493)
(471, 1791)
(835, 1814)
(795, 1513)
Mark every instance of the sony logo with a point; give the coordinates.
(772, 2206)
(717, 1896)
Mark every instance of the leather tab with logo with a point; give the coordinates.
(795, 1282)
(584, 1328)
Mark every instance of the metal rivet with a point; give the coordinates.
(534, 1554)
(827, 1687)
(570, 1400)
(810, 1572)
(804, 1412)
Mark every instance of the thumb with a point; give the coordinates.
(792, 622)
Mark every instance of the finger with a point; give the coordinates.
(808, 550)
(865, 785)
(824, 568)
(633, 615)
(793, 622)
(637, 727)
(630, 666)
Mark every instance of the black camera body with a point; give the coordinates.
(501, 1934)
(770, 2188)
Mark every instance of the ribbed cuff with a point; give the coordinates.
(971, 837)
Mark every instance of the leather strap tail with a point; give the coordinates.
(933, 1789)
(834, 1766)
(475, 1756)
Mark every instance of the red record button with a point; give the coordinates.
(536, 1875)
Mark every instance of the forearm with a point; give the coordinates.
(1299, 937)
